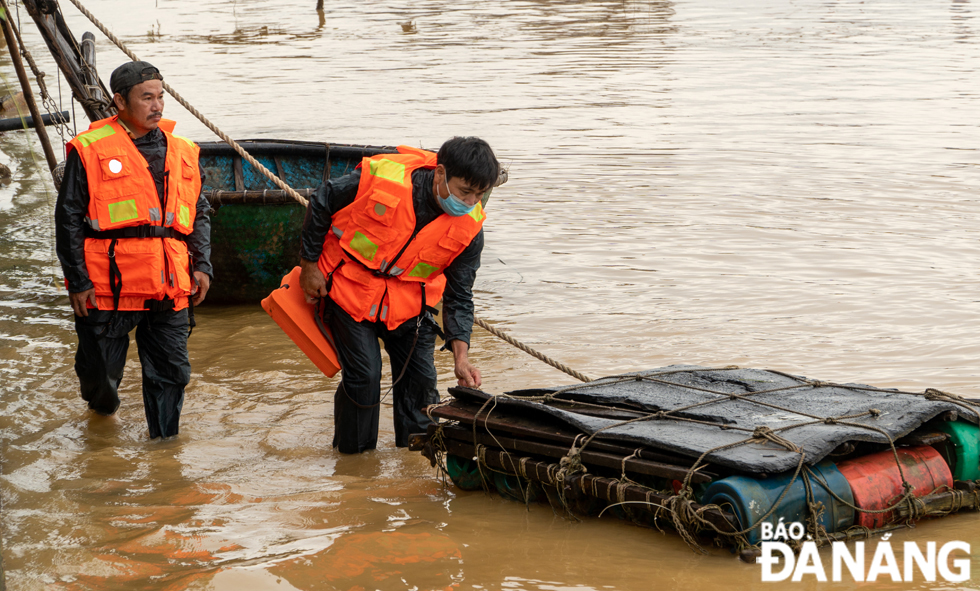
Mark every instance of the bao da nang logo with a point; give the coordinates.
(923, 562)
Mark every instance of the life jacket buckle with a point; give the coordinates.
(165, 305)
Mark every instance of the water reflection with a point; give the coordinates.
(616, 19)
(377, 560)
(960, 16)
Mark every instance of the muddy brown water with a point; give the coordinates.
(783, 185)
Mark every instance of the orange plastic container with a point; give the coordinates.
(877, 484)
(287, 306)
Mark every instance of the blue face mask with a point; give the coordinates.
(453, 205)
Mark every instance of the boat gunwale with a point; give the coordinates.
(318, 150)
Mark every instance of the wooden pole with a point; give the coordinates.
(67, 54)
(25, 83)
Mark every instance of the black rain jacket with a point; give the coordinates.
(72, 207)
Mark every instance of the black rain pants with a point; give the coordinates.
(356, 403)
(161, 339)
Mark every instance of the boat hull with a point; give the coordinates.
(255, 241)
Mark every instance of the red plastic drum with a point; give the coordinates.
(877, 484)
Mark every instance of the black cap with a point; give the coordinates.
(130, 74)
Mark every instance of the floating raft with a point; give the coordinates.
(717, 452)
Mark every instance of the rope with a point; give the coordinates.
(241, 151)
(529, 350)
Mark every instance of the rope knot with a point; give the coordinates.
(571, 462)
(687, 521)
(874, 412)
(764, 433)
(934, 394)
(830, 421)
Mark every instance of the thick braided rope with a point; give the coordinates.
(532, 352)
(241, 151)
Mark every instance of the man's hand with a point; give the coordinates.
(79, 300)
(312, 281)
(466, 373)
(201, 285)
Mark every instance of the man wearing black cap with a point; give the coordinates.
(133, 238)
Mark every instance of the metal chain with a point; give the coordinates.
(46, 100)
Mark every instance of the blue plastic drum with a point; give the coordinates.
(751, 498)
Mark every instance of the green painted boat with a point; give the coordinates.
(255, 227)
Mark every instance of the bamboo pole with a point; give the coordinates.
(25, 83)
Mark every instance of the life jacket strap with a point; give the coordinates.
(191, 321)
(158, 305)
(433, 312)
(144, 231)
(330, 274)
(115, 285)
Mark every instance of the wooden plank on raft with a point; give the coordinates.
(938, 504)
(588, 457)
(500, 420)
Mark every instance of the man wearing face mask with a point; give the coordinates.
(382, 246)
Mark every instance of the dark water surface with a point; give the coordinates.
(778, 184)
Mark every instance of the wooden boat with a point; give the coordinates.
(255, 227)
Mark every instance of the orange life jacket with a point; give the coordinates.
(123, 204)
(376, 269)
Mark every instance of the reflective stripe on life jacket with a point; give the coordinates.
(391, 267)
(123, 194)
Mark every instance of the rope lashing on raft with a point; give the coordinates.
(690, 520)
(292, 192)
